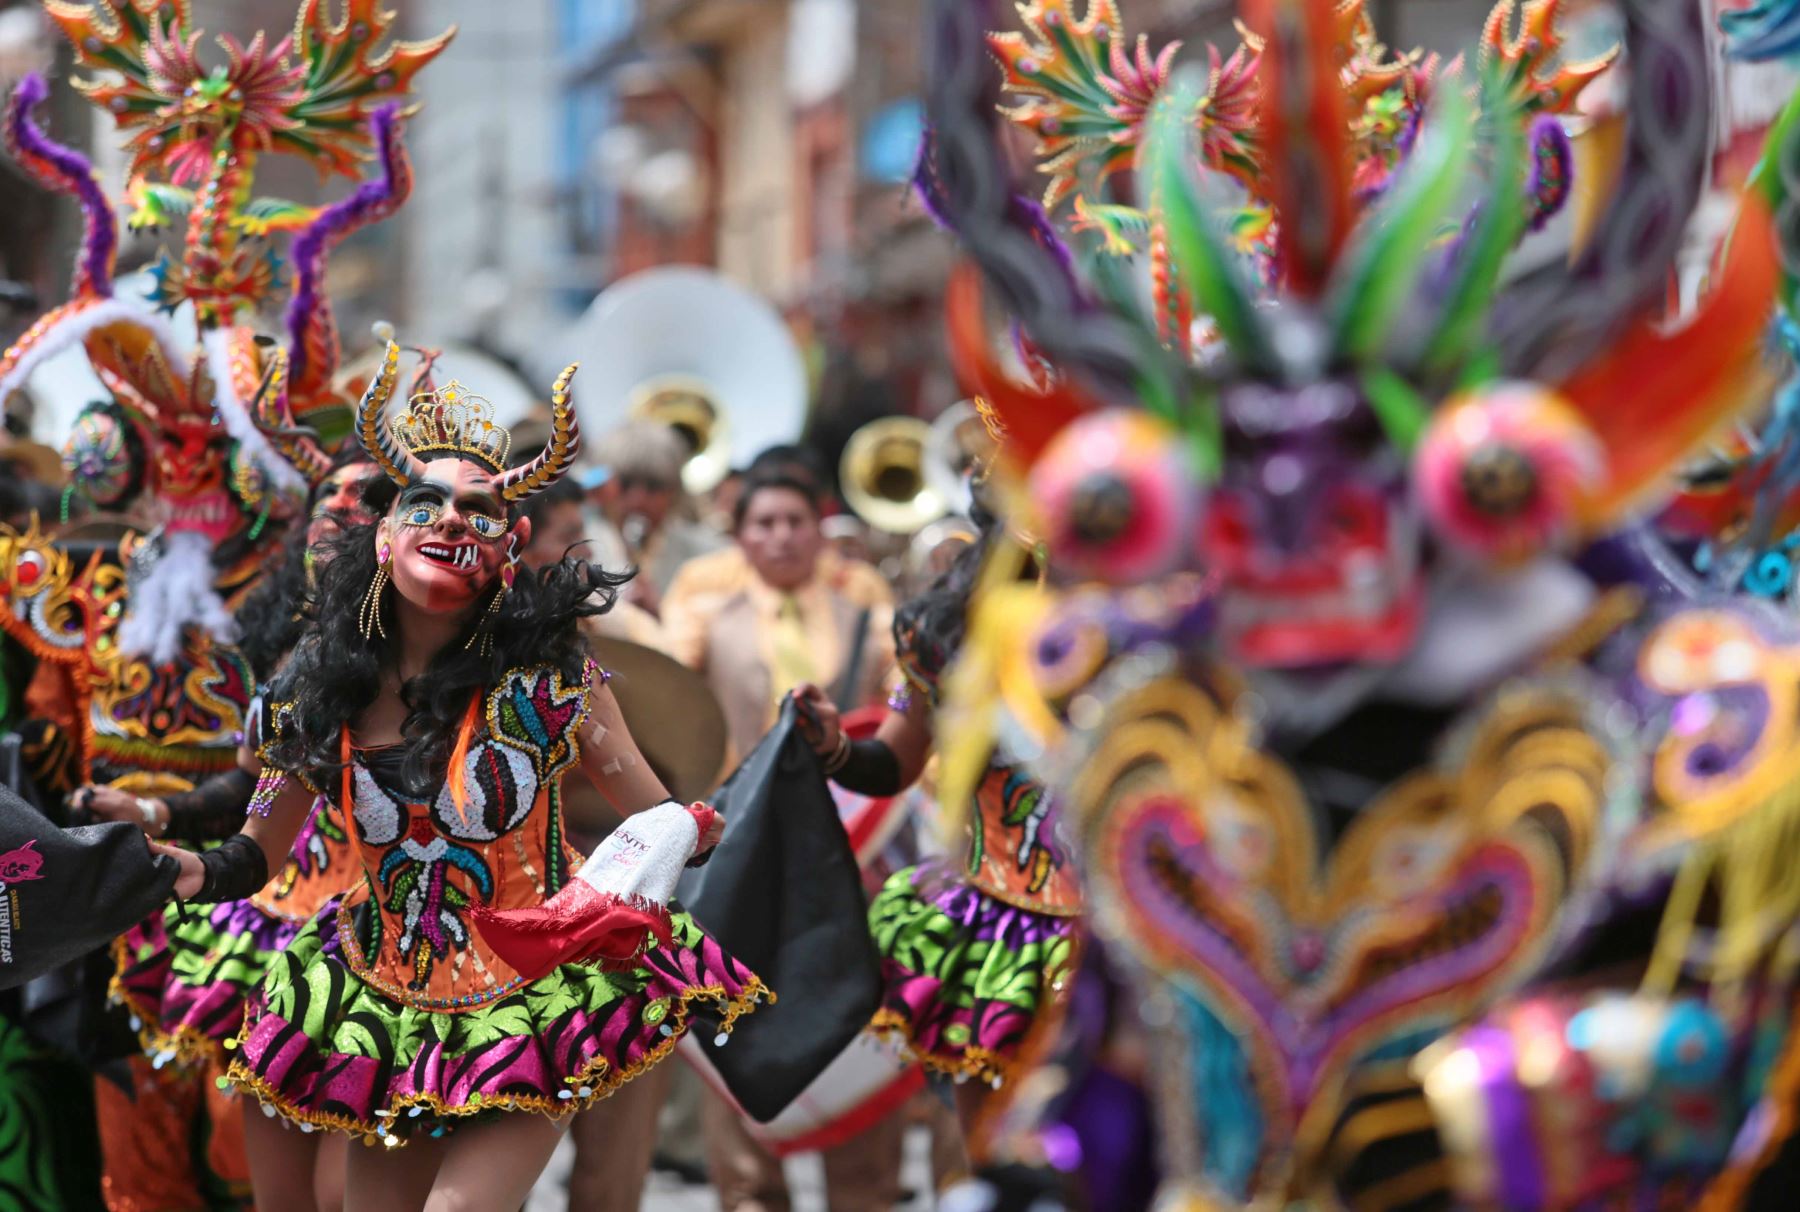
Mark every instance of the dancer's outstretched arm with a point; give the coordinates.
(241, 865)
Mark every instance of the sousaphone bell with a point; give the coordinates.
(883, 477)
(682, 346)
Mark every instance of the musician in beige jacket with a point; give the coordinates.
(755, 640)
(792, 616)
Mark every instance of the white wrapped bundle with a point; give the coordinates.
(615, 908)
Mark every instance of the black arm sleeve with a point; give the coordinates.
(236, 869)
(871, 769)
(213, 810)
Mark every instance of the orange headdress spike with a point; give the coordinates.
(1030, 418)
(1304, 133)
(459, 757)
(1654, 396)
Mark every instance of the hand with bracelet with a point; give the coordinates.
(886, 764)
(821, 725)
(111, 804)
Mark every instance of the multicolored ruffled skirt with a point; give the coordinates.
(324, 1049)
(963, 974)
(185, 975)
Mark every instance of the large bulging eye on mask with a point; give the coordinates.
(1116, 497)
(420, 513)
(486, 526)
(1507, 472)
(104, 455)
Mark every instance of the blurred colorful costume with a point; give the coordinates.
(1446, 870)
(392, 1015)
(973, 952)
(156, 692)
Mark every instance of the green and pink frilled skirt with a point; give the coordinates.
(324, 1048)
(964, 974)
(187, 973)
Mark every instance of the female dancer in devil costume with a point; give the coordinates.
(437, 701)
(972, 952)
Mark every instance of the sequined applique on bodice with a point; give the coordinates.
(1014, 855)
(320, 864)
(426, 862)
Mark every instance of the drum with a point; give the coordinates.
(867, 1082)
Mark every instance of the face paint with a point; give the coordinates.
(445, 530)
(339, 498)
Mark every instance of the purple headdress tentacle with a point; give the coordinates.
(312, 332)
(966, 186)
(1025, 212)
(1552, 177)
(1550, 321)
(66, 171)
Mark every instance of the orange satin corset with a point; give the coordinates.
(320, 864)
(426, 862)
(1014, 855)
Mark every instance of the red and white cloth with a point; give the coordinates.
(617, 906)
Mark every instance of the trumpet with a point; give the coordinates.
(957, 450)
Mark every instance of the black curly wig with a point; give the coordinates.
(269, 620)
(335, 671)
(929, 627)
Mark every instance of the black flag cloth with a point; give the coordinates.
(781, 893)
(65, 892)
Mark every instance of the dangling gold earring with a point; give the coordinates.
(484, 629)
(371, 607)
(508, 571)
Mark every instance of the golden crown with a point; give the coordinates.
(452, 420)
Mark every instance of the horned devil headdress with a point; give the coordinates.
(183, 427)
(1382, 410)
(453, 421)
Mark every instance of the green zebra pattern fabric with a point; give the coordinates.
(964, 975)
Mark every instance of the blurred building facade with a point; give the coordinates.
(565, 144)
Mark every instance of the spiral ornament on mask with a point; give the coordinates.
(557, 455)
(377, 441)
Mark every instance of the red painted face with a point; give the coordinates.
(449, 536)
(190, 464)
(339, 498)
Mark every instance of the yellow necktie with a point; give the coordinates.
(793, 655)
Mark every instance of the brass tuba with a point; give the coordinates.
(682, 345)
(900, 474)
(884, 477)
